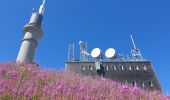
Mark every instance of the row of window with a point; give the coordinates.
(115, 68)
(142, 83)
(121, 67)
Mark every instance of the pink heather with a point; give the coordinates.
(28, 82)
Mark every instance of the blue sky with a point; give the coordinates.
(102, 23)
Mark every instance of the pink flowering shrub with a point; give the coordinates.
(29, 82)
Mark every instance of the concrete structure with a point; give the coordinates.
(32, 32)
(136, 73)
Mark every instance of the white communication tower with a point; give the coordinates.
(71, 52)
(136, 54)
(83, 51)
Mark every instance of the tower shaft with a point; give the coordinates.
(32, 33)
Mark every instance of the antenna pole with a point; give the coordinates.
(71, 52)
(137, 56)
(133, 42)
(42, 8)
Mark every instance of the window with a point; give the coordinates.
(126, 82)
(142, 84)
(137, 67)
(90, 68)
(121, 67)
(150, 83)
(106, 68)
(133, 83)
(114, 68)
(83, 68)
(144, 67)
(130, 68)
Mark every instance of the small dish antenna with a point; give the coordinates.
(110, 53)
(80, 42)
(96, 52)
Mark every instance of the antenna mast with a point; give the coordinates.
(133, 42)
(42, 8)
(71, 52)
(83, 51)
(136, 54)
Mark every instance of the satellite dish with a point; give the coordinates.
(96, 52)
(80, 42)
(110, 53)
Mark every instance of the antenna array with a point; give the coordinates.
(111, 54)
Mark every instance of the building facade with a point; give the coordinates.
(136, 73)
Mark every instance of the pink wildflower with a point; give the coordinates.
(41, 84)
(88, 98)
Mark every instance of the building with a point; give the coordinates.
(135, 70)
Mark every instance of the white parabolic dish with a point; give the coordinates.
(96, 52)
(80, 42)
(110, 53)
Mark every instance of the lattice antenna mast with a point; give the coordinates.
(83, 51)
(71, 52)
(136, 54)
(86, 46)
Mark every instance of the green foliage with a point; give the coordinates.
(35, 97)
(23, 73)
(6, 96)
(5, 74)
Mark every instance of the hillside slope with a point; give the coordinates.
(27, 81)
